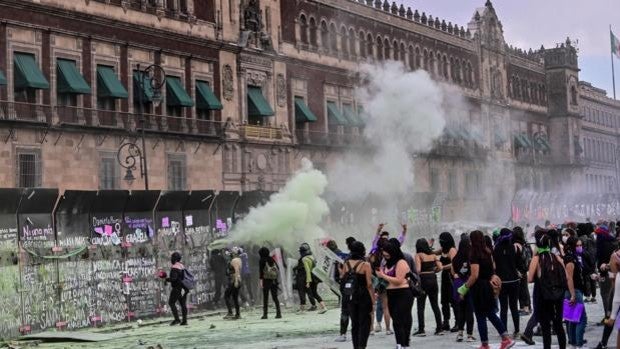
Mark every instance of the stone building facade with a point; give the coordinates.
(252, 86)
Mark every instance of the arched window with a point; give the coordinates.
(395, 50)
(379, 48)
(573, 95)
(386, 49)
(426, 60)
(432, 63)
(303, 27)
(534, 92)
(418, 58)
(453, 70)
(445, 67)
(411, 58)
(458, 71)
(333, 38)
(470, 72)
(403, 53)
(517, 88)
(362, 45)
(344, 43)
(370, 51)
(352, 46)
(524, 92)
(313, 33)
(324, 36)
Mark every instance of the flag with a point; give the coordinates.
(615, 45)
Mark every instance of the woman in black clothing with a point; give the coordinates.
(460, 271)
(178, 293)
(574, 273)
(507, 258)
(428, 266)
(268, 276)
(362, 296)
(545, 268)
(525, 302)
(399, 294)
(448, 251)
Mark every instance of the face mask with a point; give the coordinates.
(579, 249)
(564, 239)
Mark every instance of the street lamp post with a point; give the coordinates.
(130, 153)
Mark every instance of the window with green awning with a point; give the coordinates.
(334, 115)
(523, 141)
(542, 144)
(27, 72)
(257, 104)
(108, 85)
(353, 118)
(2, 78)
(142, 85)
(69, 78)
(302, 112)
(205, 98)
(176, 96)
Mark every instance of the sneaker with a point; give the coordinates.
(278, 316)
(183, 323)
(527, 340)
(175, 322)
(313, 308)
(342, 338)
(389, 332)
(454, 329)
(378, 327)
(507, 343)
(229, 317)
(516, 335)
(470, 338)
(323, 311)
(601, 346)
(419, 334)
(459, 337)
(445, 327)
(237, 317)
(264, 317)
(439, 332)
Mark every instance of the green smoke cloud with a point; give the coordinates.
(291, 216)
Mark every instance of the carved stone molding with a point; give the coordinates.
(281, 90)
(227, 82)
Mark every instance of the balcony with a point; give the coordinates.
(68, 116)
(327, 138)
(261, 132)
(532, 157)
(470, 150)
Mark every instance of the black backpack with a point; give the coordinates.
(188, 281)
(553, 283)
(349, 282)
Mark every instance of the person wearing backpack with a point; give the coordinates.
(179, 292)
(507, 257)
(234, 285)
(307, 284)
(268, 275)
(576, 285)
(356, 277)
(548, 273)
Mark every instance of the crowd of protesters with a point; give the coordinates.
(482, 276)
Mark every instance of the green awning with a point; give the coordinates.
(523, 141)
(360, 112)
(69, 78)
(108, 85)
(176, 95)
(451, 133)
(27, 72)
(257, 104)
(147, 89)
(302, 112)
(464, 134)
(353, 118)
(334, 115)
(542, 144)
(205, 98)
(2, 78)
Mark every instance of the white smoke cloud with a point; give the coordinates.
(291, 216)
(404, 115)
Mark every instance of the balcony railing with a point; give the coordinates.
(327, 138)
(262, 132)
(25, 112)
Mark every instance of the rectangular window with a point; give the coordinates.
(177, 178)
(28, 168)
(109, 172)
(434, 181)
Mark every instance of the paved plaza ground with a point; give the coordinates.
(308, 330)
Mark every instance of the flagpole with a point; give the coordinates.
(613, 72)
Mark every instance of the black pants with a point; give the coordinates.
(430, 287)
(219, 284)
(177, 295)
(361, 319)
(590, 286)
(606, 289)
(465, 315)
(400, 302)
(550, 314)
(232, 296)
(524, 293)
(608, 330)
(312, 292)
(345, 313)
(270, 286)
(529, 328)
(509, 297)
(447, 299)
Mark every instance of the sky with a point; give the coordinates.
(532, 23)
